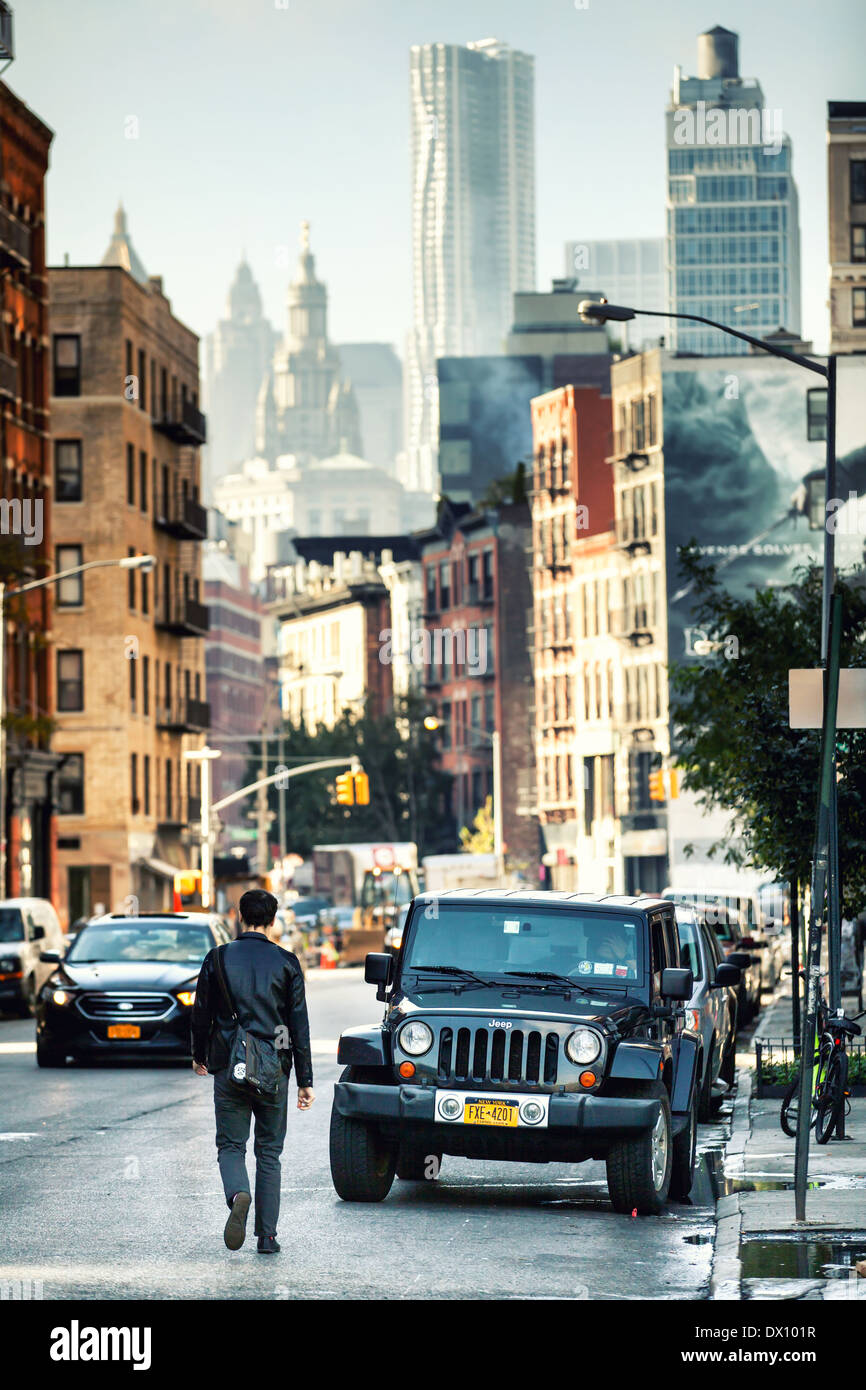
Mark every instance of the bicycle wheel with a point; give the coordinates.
(791, 1109)
(832, 1097)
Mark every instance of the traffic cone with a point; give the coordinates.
(328, 958)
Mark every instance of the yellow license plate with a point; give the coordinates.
(124, 1030)
(490, 1112)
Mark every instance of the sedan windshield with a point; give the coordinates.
(131, 941)
(520, 940)
(11, 924)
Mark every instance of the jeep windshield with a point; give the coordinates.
(603, 949)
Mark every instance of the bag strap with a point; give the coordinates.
(223, 982)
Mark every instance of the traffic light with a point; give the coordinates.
(674, 782)
(346, 789)
(657, 785)
(362, 789)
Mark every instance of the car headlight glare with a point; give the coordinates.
(60, 996)
(583, 1046)
(187, 997)
(416, 1038)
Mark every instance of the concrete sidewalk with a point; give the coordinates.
(761, 1251)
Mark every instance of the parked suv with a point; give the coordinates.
(28, 926)
(524, 1026)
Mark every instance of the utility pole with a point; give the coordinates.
(205, 756)
(262, 812)
(281, 800)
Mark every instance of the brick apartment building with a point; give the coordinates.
(29, 768)
(846, 201)
(477, 668)
(575, 562)
(130, 650)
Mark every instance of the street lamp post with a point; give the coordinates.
(127, 562)
(825, 866)
(432, 722)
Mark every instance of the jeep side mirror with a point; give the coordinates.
(38, 932)
(677, 983)
(50, 957)
(727, 976)
(378, 968)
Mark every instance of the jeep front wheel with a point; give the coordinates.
(362, 1162)
(639, 1170)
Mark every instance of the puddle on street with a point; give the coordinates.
(800, 1257)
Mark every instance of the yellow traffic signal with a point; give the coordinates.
(346, 789)
(362, 789)
(657, 785)
(674, 779)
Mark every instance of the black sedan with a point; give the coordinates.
(125, 988)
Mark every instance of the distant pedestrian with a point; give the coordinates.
(250, 1004)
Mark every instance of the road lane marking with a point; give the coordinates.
(12, 1135)
(317, 1045)
(18, 1047)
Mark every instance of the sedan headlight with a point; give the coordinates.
(187, 997)
(416, 1038)
(60, 996)
(582, 1046)
(9, 964)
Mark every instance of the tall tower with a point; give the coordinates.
(473, 216)
(237, 355)
(733, 228)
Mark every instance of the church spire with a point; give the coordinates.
(121, 250)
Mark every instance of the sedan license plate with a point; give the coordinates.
(491, 1112)
(124, 1030)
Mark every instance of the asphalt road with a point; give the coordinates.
(109, 1189)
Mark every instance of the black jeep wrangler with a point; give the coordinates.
(532, 1026)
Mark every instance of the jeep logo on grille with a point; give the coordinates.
(499, 1023)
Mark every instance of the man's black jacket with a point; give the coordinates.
(267, 987)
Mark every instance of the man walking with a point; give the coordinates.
(266, 988)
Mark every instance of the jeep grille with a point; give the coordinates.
(484, 1054)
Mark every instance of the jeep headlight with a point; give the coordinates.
(582, 1046)
(416, 1038)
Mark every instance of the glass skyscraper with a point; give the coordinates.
(733, 229)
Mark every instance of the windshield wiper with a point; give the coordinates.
(452, 970)
(549, 975)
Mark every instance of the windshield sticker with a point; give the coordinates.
(622, 970)
(584, 967)
(604, 967)
(512, 926)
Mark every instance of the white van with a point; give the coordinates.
(28, 926)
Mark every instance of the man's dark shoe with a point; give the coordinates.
(269, 1245)
(236, 1226)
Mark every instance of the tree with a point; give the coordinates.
(507, 491)
(481, 839)
(731, 734)
(408, 790)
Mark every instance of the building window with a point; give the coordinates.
(445, 584)
(858, 308)
(858, 180)
(487, 574)
(145, 592)
(588, 793)
(858, 243)
(69, 592)
(146, 781)
(67, 470)
(70, 785)
(145, 686)
(70, 680)
(67, 364)
(133, 681)
(142, 480)
(142, 380)
(129, 359)
(133, 769)
(816, 413)
(130, 475)
(130, 580)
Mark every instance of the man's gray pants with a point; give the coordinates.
(234, 1108)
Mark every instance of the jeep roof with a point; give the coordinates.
(544, 897)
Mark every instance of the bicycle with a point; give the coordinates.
(830, 1087)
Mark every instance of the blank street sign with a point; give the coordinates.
(806, 699)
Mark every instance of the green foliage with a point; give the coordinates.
(506, 491)
(783, 1073)
(407, 788)
(730, 718)
(480, 839)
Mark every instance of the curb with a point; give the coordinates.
(725, 1279)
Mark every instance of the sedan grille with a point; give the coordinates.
(484, 1054)
(121, 1006)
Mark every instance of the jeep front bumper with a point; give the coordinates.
(603, 1119)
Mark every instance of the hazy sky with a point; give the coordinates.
(254, 114)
